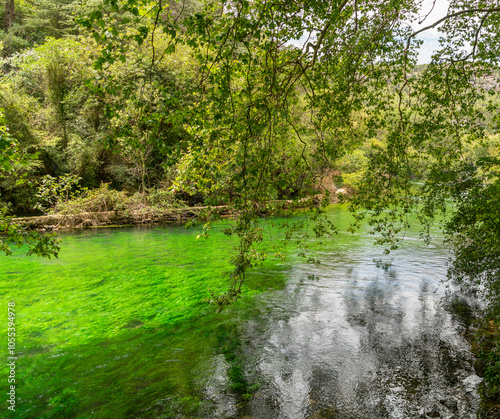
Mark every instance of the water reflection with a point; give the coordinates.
(354, 340)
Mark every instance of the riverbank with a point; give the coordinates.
(152, 215)
(119, 218)
(485, 345)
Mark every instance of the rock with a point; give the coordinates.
(341, 191)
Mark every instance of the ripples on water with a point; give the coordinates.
(354, 339)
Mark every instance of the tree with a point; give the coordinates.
(12, 159)
(26, 23)
(346, 65)
(54, 18)
(253, 85)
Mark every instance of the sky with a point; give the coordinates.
(431, 36)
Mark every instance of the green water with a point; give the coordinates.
(117, 328)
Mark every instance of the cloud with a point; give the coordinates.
(431, 12)
(426, 51)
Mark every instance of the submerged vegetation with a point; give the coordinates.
(129, 105)
(118, 326)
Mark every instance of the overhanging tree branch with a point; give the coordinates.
(459, 13)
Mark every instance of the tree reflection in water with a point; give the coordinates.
(352, 340)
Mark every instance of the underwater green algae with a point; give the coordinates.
(118, 321)
(117, 327)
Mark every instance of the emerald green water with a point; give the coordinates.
(116, 328)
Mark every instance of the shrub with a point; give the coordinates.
(54, 191)
(97, 200)
(106, 199)
(164, 199)
(353, 167)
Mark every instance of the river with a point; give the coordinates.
(117, 328)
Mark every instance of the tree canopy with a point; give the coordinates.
(282, 90)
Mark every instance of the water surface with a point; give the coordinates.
(116, 327)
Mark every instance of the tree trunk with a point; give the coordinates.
(9, 13)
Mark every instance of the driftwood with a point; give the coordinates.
(149, 215)
(107, 218)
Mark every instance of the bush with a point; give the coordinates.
(353, 167)
(163, 199)
(106, 199)
(97, 200)
(55, 191)
(23, 197)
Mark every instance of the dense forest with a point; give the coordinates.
(144, 106)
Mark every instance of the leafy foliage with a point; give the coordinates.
(269, 113)
(473, 229)
(12, 159)
(54, 190)
(97, 200)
